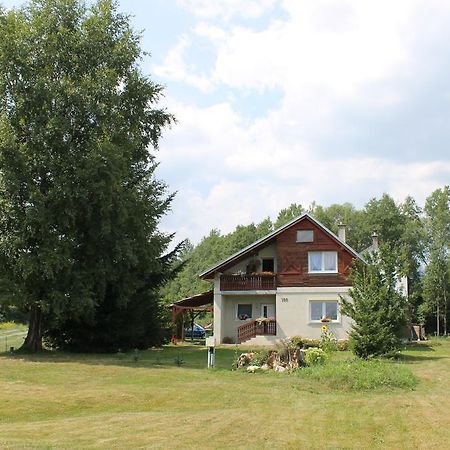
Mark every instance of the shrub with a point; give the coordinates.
(328, 342)
(304, 342)
(297, 341)
(260, 358)
(228, 340)
(343, 346)
(360, 375)
(314, 356)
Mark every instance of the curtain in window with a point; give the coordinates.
(316, 311)
(329, 261)
(331, 310)
(315, 261)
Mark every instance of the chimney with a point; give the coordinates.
(374, 241)
(341, 232)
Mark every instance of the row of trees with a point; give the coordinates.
(417, 239)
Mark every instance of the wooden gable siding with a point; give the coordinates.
(292, 258)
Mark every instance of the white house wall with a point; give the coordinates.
(230, 321)
(292, 310)
(293, 313)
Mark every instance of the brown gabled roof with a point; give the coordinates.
(209, 273)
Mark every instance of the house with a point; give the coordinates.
(287, 283)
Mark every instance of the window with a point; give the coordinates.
(321, 310)
(305, 235)
(322, 262)
(244, 311)
(268, 265)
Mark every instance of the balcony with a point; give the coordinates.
(253, 282)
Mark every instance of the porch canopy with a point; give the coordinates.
(196, 303)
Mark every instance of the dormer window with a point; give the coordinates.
(305, 235)
(322, 262)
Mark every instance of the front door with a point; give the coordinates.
(268, 310)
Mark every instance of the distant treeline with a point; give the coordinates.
(419, 238)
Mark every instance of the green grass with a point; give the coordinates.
(62, 401)
(359, 375)
(11, 335)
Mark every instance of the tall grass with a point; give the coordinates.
(360, 375)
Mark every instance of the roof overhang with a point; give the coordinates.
(198, 301)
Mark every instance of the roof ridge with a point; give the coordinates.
(274, 233)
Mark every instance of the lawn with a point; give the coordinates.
(11, 336)
(168, 399)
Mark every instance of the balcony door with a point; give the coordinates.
(268, 310)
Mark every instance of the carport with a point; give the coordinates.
(194, 306)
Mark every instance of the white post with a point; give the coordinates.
(211, 346)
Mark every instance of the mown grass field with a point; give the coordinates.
(11, 336)
(112, 402)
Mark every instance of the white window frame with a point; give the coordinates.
(323, 302)
(323, 262)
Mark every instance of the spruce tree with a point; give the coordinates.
(375, 306)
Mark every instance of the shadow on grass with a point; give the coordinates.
(420, 347)
(182, 356)
(418, 358)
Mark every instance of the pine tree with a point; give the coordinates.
(375, 306)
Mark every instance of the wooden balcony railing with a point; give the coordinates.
(248, 282)
(256, 328)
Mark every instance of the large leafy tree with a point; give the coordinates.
(79, 203)
(288, 214)
(333, 215)
(437, 273)
(400, 227)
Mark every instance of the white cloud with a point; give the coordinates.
(250, 175)
(325, 56)
(176, 68)
(308, 50)
(227, 9)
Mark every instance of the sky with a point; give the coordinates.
(283, 101)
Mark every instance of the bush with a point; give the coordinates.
(260, 358)
(314, 356)
(343, 346)
(360, 375)
(228, 340)
(304, 342)
(308, 343)
(328, 343)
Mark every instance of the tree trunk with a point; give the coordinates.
(445, 315)
(437, 320)
(33, 341)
